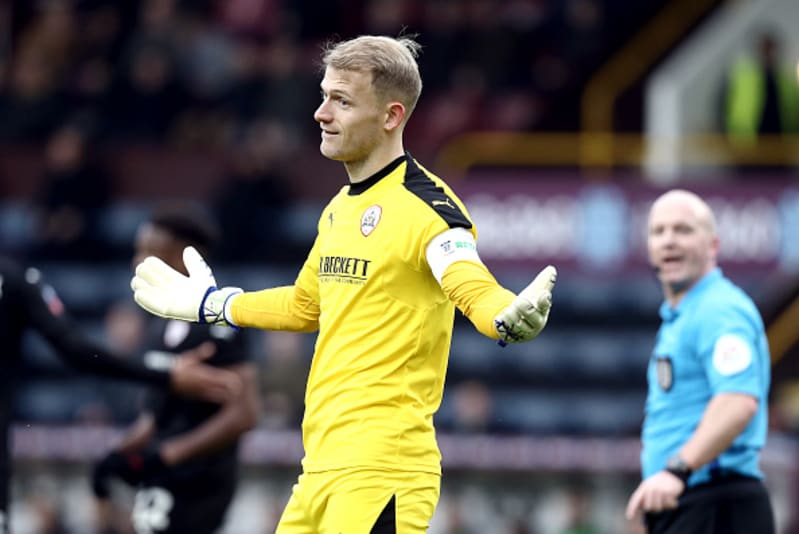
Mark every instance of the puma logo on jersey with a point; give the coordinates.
(444, 202)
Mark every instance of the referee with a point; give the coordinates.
(25, 302)
(706, 412)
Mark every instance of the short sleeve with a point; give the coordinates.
(728, 346)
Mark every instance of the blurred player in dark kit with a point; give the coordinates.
(181, 455)
(27, 303)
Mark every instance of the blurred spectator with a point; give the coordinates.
(762, 93)
(387, 17)
(244, 97)
(285, 364)
(52, 33)
(125, 329)
(490, 47)
(74, 191)
(579, 512)
(157, 22)
(252, 18)
(443, 28)
(448, 113)
(147, 96)
(292, 86)
(583, 27)
(205, 58)
(33, 103)
(250, 204)
(97, 49)
(5, 42)
(40, 512)
(473, 407)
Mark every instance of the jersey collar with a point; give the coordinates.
(360, 187)
(667, 313)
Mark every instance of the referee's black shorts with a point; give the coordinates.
(729, 504)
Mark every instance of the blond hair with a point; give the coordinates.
(391, 61)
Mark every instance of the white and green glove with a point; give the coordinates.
(527, 315)
(163, 291)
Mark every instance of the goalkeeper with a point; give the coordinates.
(395, 253)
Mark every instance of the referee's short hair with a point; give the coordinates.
(190, 223)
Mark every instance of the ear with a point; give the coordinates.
(395, 115)
(714, 247)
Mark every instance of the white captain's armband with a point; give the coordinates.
(731, 354)
(448, 247)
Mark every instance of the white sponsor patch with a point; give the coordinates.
(731, 355)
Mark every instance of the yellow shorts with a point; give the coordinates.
(361, 501)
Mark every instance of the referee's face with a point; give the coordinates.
(682, 244)
(351, 116)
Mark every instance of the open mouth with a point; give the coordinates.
(671, 261)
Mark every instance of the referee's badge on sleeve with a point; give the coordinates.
(665, 372)
(731, 354)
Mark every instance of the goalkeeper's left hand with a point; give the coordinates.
(527, 315)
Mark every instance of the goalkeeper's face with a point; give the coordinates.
(351, 116)
(681, 241)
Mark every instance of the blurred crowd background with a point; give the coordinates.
(556, 120)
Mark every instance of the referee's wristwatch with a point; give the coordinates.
(679, 468)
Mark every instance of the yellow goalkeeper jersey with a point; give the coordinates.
(385, 325)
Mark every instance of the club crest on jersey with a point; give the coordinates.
(370, 218)
(665, 372)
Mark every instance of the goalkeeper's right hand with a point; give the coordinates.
(163, 291)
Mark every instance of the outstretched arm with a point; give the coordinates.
(44, 312)
(163, 291)
(495, 311)
(46, 315)
(475, 292)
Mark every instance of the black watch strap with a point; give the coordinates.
(679, 468)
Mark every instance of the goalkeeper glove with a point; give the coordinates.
(527, 315)
(163, 291)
